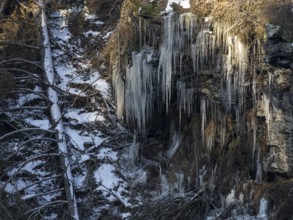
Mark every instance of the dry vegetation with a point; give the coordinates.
(248, 18)
(18, 39)
(123, 37)
(108, 10)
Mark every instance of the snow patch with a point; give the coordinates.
(91, 33)
(84, 117)
(79, 180)
(43, 124)
(110, 184)
(107, 35)
(230, 199)
(78, 139)
(108, 153)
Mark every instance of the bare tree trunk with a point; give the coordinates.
(56, 117)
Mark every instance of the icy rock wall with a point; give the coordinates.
(202, 70)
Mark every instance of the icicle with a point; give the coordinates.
(238, 122)
(188, 22)
(258, 177)
(254, 134)
(164, 185)
(229, 72)
(140, 30)
(267, 113)
(230, 199)
(179, 183)
(223, 131)
(234, 66)
(203, 117)
(242, 57)
(254, 110)
(118, 86)
(263, 206)
(212, 178)
(166, 57)
(139, 85)
(194, 57)
(177, 36)
(270, 78)
(133, 152)
(175, 144)
(181, 97)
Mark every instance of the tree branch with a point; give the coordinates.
(37, 182)
(43, 206)
(26, 142)
(19, 44)
(23, 164)
(21, 60)
(25, 130)
(41, 194)
(30, 91)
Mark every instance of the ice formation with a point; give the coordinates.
(209, 48)
(139, 86)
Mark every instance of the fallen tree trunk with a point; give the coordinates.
(55, 114)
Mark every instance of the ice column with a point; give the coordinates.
(139, 85)
(178, 35)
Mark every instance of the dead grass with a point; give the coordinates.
(123, 38)
(107, 10)
(248, 18)
(20, 26)
(76, 23)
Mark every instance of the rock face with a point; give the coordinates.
(218, 104)
(279, 53)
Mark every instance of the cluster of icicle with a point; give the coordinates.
(210, 46)
(134, 91)
(215, 50)
(139, 86)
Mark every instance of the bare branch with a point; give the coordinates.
(46, 205)
(27, 107)
(41, 194)
(25, 130)
(19, 44)
(42, 180)
(22, 90)
(23, 71)
(24, 163)
(21, 60)
(27, 142)
(39, 79)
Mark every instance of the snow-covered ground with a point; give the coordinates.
(96, 142)
(94, 165)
